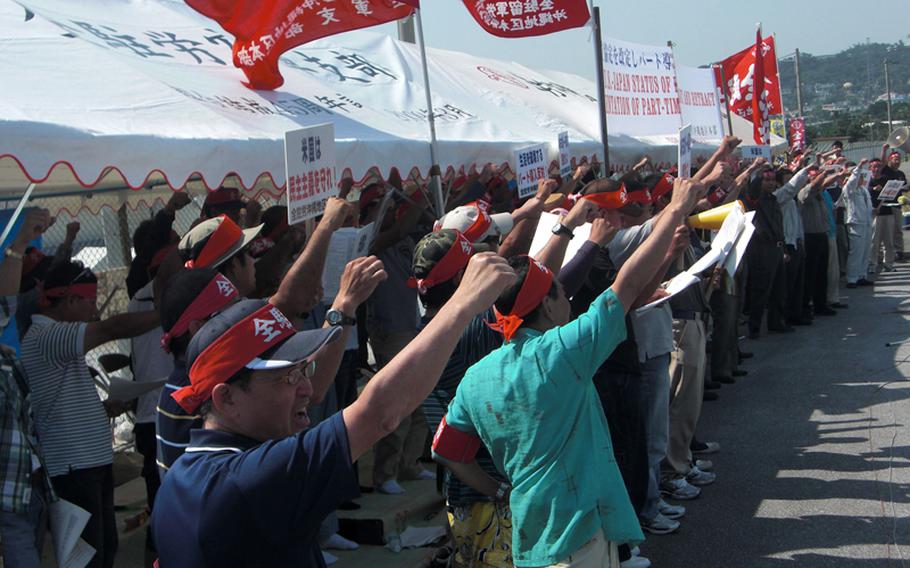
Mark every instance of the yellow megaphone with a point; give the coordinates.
(712, 219)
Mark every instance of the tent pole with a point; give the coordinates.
(601, 90)
(435, 179)
(12, 220)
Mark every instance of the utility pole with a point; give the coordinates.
(888, 94)
(799, 84)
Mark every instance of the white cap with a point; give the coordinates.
(475, 223)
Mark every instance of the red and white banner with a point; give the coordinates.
(264, 30)
(797, 134)
(523, 18)
(760, 116)
(740, 72)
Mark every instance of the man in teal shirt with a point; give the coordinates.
(533, 404)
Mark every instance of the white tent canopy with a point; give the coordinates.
(121, 93)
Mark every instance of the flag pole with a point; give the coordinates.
(726, 94)
(435, 174)
(601, 91)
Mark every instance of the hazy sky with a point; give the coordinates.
(703, 30)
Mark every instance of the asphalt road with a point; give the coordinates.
(815, 460)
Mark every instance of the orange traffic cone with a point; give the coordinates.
(712, 219)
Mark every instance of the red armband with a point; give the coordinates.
(454, 445)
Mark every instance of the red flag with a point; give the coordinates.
(739, 70)
(264, 30)
(528, 17)
(761, 124)
(413, 3)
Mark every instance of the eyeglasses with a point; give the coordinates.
(300, 372)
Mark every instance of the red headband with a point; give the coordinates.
(610, 199)
(642, 196)
(88, 290)
(161, 255)
(454, 260)
(894, 153)
(225, 236)
(663, 186)
(480, 225)
(217, 294)
(533, 290)
(233, 350)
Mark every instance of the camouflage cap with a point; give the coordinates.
(433, 246)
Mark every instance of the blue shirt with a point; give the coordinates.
(233, 501)
(533, 404)
(172, 423)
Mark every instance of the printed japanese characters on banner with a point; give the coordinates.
(891, 189)
(310, 166)
(699, 104)
(797, 134)
(640, 89)
(522, 18)
(739, 70)
(530, 166)
(565, 158)
(752, 152)
(685, 151)
(262, 35)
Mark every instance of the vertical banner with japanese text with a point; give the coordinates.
(530, 166)
(797, 134)
(685, 152)
(699, 104)
(640, 89)
(565, 158)
(309, 155)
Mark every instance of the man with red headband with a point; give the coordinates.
(533, 404)
(252, 487)
(72, 422)
(892, 171)
(27, 490)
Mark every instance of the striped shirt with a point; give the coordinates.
(72, 424)
(172, 423)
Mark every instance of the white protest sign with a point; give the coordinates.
(565, 159)
(309, 158)
(66, 523)
(346, 245)
(640, 89)
(735, 256)
(753, 152)
(530, 166)
(544, 232)
(891, 189)
(685, 151)
(699, 104)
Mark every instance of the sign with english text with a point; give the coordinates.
(309, 158)
(699, 104)
(530, 167)
(640, 89)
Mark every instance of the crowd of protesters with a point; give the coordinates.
(565, 417)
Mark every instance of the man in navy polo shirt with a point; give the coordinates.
(252, 487)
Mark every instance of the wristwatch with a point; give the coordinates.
(560, 229)
(336, 317)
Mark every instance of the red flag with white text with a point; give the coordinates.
(761, 122)
(264, 30)
(523, 18)
(739, 70)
